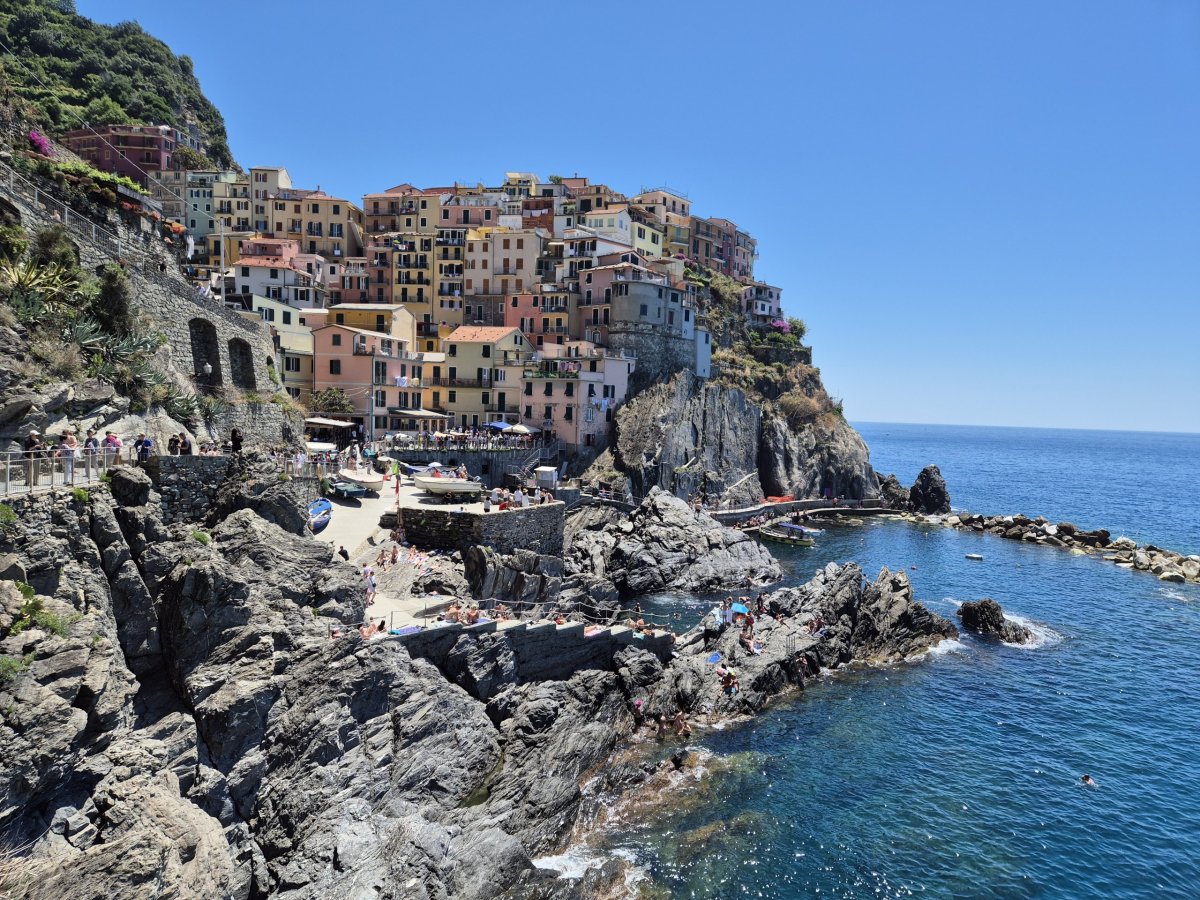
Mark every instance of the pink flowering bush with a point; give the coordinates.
(781, 326)
(40, 143)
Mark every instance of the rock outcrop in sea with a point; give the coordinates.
(927, 496)
(175, 719)
(986, 617)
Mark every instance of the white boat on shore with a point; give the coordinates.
(372, 481)
(441, 485)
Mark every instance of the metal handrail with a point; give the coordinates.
(30, 471)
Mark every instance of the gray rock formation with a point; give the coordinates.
(665, 545)
(534, 584)
(893, 494)
(987, 617)
(693, 437)
(858, 621)
(928, 495)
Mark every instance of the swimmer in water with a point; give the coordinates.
(1088, 781)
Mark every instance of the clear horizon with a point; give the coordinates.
(972, 208)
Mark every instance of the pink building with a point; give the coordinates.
(544, 318)
(380, 375)
(129, 150)
(573, 391)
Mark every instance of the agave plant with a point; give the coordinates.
(47, 290)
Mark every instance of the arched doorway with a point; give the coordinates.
(206, 352)
(241, 364)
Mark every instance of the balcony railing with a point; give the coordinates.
(551, 329)
(549, 373)
(460, 382)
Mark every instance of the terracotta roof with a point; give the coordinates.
(480, 334)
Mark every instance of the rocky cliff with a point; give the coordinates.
(176, 721)
(693, 437)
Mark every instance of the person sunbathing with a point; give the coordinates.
(682, 728)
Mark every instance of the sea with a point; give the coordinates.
(958, 774)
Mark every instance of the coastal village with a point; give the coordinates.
(533, 301)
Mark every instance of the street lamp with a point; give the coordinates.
(207, 370)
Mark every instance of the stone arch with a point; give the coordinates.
(206, 349)
(241, 364)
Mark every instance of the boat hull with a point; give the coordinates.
(443, 486)
(778, 538)
(368, 480)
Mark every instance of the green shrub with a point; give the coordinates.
(253, 397)
(80, 495)
(26, 590)
(202, 537)
(34, 613)
(12, 666)
(8, 518)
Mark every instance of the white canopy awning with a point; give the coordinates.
(414, 413)
(328, 423)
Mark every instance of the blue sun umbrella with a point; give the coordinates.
(499, 426)
(740, 608)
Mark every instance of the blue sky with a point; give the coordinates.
(986, 213)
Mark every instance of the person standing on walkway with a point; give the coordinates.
(141, 447)
(91, 448)
(185, 445)
(235, 441)
(66, 452)
(112, 449)
(34, 449)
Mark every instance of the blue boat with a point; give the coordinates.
(319, 513)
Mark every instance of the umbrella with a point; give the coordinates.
(499, 426)
(714, 657)
(524, 429)
(740, 608)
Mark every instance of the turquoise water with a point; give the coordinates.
(958, 775)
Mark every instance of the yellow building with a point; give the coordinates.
(403, 208)
(393, 320)
(674, 210)
(480, 383)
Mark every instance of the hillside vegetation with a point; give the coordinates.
(101, 74)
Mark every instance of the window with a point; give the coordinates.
(337, 210)
(567, 414)
(549, 413)
(528, 389)
(548, 390)
(314, 208)
(341, 318)
(520, 243)
(274, 273)
(445, 215)
(514, 302)
(381, 398)
(451, 396)
(644, 310)
(453, 350)
(487, 214)
(486, 350)
(245, 271)
(570, 389)
(291, 364)
(529, 412)
(335, 367)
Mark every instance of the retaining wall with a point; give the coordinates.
(187, 484)
(543, 651)
(538, 528)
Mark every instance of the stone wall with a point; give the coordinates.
(538, 528)
(542, 651)
(197, 330)
(659, 353)
(187, 484)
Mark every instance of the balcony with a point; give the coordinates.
(364, 349)
(451, 241)
(313, 231)
(548, 373)
(551, 329)
(460, 382)
(427, 329)
(501, 408)
(408, 279)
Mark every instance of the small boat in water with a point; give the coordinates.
(369, 480)
(975, 556)
(786, 534)
(319, 513)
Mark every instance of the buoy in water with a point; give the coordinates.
(976, 556)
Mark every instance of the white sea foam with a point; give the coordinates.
(1043, 635)
(949, 645)
(1176, 594)
(573, 863)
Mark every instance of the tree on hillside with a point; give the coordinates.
(331, 400)
(104, 110)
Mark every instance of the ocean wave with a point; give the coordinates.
(1175, 594)
(573, 862)
(1043, 635)
(941, 648)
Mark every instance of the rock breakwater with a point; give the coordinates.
(1166, 565)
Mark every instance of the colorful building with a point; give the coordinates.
(479, 378)
(134, 151)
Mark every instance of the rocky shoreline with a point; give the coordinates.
(176, 715)
(1126, 553)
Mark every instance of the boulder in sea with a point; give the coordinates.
(987, 617)
(893, 494)
(928, 494)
